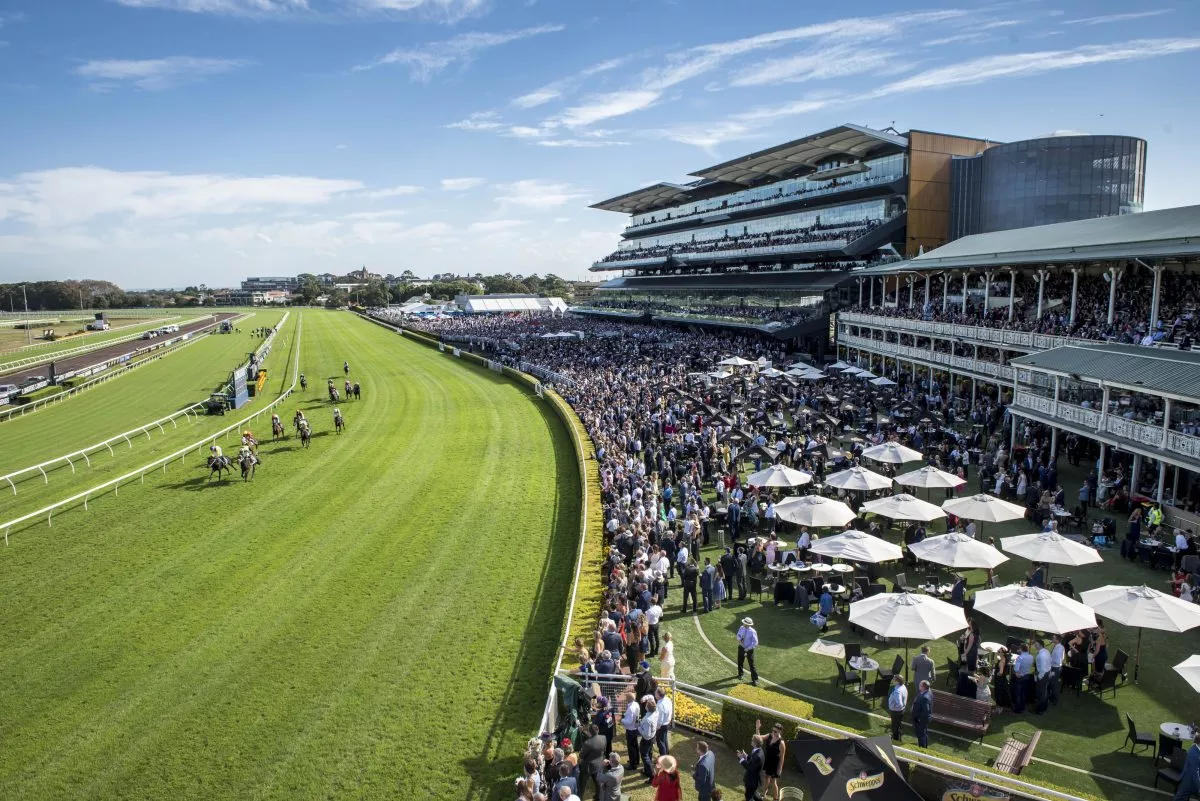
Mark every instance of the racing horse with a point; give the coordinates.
(298, 419)
(276, 428)
(339, 422)
(305, 435)
(349, 390)
(248, 463)
(304, 383)
(357, 391)
(218, 466)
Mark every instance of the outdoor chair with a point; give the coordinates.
(844, 677)
(1172, 773)
(863, 582)
(897, 667)
(1135, 738)
(931, 581)
(853, 650)
(880, 688)
(901, 583)
(1166, 746)
(875, 589)
(951, 671)
(1118, 664)
(756, 586)
(1108, 681)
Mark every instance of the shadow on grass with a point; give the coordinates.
(516, 720)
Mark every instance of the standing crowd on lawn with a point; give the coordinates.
(668, 445)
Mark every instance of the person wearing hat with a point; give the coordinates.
(666, 780)
(747, 639)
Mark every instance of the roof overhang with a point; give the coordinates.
(1163, 372)
(802, 156)
(661, 196)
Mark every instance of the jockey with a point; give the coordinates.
(346, 366)
(274, 419)
(337, 415)
(248, 438)
(216, 451)
(244, 451)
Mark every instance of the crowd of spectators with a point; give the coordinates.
(1178, 322)
(841, 232)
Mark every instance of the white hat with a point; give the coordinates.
(747, 621)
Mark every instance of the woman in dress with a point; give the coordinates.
(774, 757)
(983, 687)
(666, 780)
(1000, 691)
(1099, 652)
(666, 657)
(719, 587)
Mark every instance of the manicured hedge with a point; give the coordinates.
(737, 722)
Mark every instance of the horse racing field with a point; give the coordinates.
(373, 617)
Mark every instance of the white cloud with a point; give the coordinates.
(156, 73)
(557, 89)
(537, 194)
(1108, 18)
(479, 121)
(237, 8)
(609, 105)
(393, 191)
(382, 214)
(340, 147)
(442, 10)
(584, 143)
(461, 184)
(537, 97)
(819, 64)
(1016, 65)
(72, 195)
(429, 60)
(496, 226)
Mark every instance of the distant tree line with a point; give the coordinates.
(87, 294)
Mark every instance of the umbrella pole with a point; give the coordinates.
(1137, 659)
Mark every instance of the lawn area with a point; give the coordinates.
(375, 617)
(1083, 734)
(178, 371)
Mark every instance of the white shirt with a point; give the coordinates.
(1057, 654)
(666, 712)
(1181, 541)
(648, 725)
(654, 614)
(805, 540)
(630, 719)
(1042, 662)
(898, 698)
(681, 555)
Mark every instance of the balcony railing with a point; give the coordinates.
(1023, 340)
(1146, 434)
(961, 364)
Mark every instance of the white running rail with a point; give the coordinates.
(163, 462)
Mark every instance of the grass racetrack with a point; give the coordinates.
(375, 617)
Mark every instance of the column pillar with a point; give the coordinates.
(1100, 464)
(1041, 276)
(860, 292)
(1154, 301)
(945, 291)
(966, 276)
(1162, 478)
(1114, 275)
(872, 293)
(1104, 411)
(1012, 292)
(974, 384)
(927, 290)
(1057, 384)
(1012, 436)
(1053, 444)
(912, 283)
(1133, 477)
(1074, 294)
(987, 291)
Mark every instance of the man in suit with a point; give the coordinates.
(591, 757)
(705, 772)
(922, 713)
(708, 578)
(753, 764)
(689, 576)
(609, 779)
(1189, 782)
(923, 669)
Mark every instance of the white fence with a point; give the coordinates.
(140, 473)
(43, 358)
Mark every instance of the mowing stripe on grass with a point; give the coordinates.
(387, 600)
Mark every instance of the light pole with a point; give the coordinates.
(28, 331)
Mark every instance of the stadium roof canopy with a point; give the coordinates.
(483, 304)
(805, 281)
(1168, 233)
(1159, 371)
(797, 157)
(803, 155)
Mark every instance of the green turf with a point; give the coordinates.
(375, 617)
(1085, 732)
(35, 492)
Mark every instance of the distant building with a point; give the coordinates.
(271, 284)
(502, 304)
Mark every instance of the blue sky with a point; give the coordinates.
(168, 142)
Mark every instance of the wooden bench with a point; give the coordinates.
(1016, 754)
(961, 712)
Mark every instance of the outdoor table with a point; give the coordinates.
(841, 568)
(821, 567)
(799, 567)
(1177, 732)
(777, 568)
(864, 665)
(1059, 511)
(943, 589)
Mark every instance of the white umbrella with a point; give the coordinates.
(720, 374)
(736, 361)
(1051, 549)
(807, 375)
(957, 551)
(1034, 608)
(851, 371)
(1190, 670)
(907, 616)
(838, 365)
(904, 507)
(1144, 608)
(778, 475)
(866, 374)
(771, 372)
(930, 477)
(891, 453)
(857, 546)
(984, 508)
(814, 510)
(858, 478)
(883, 382)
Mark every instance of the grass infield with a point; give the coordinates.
(375, 617)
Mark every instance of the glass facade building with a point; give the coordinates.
(1047, 180)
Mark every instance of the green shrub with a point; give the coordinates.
(737, 722)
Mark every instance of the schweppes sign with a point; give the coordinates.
(864, 782)
(974, 793)
(822, 764)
